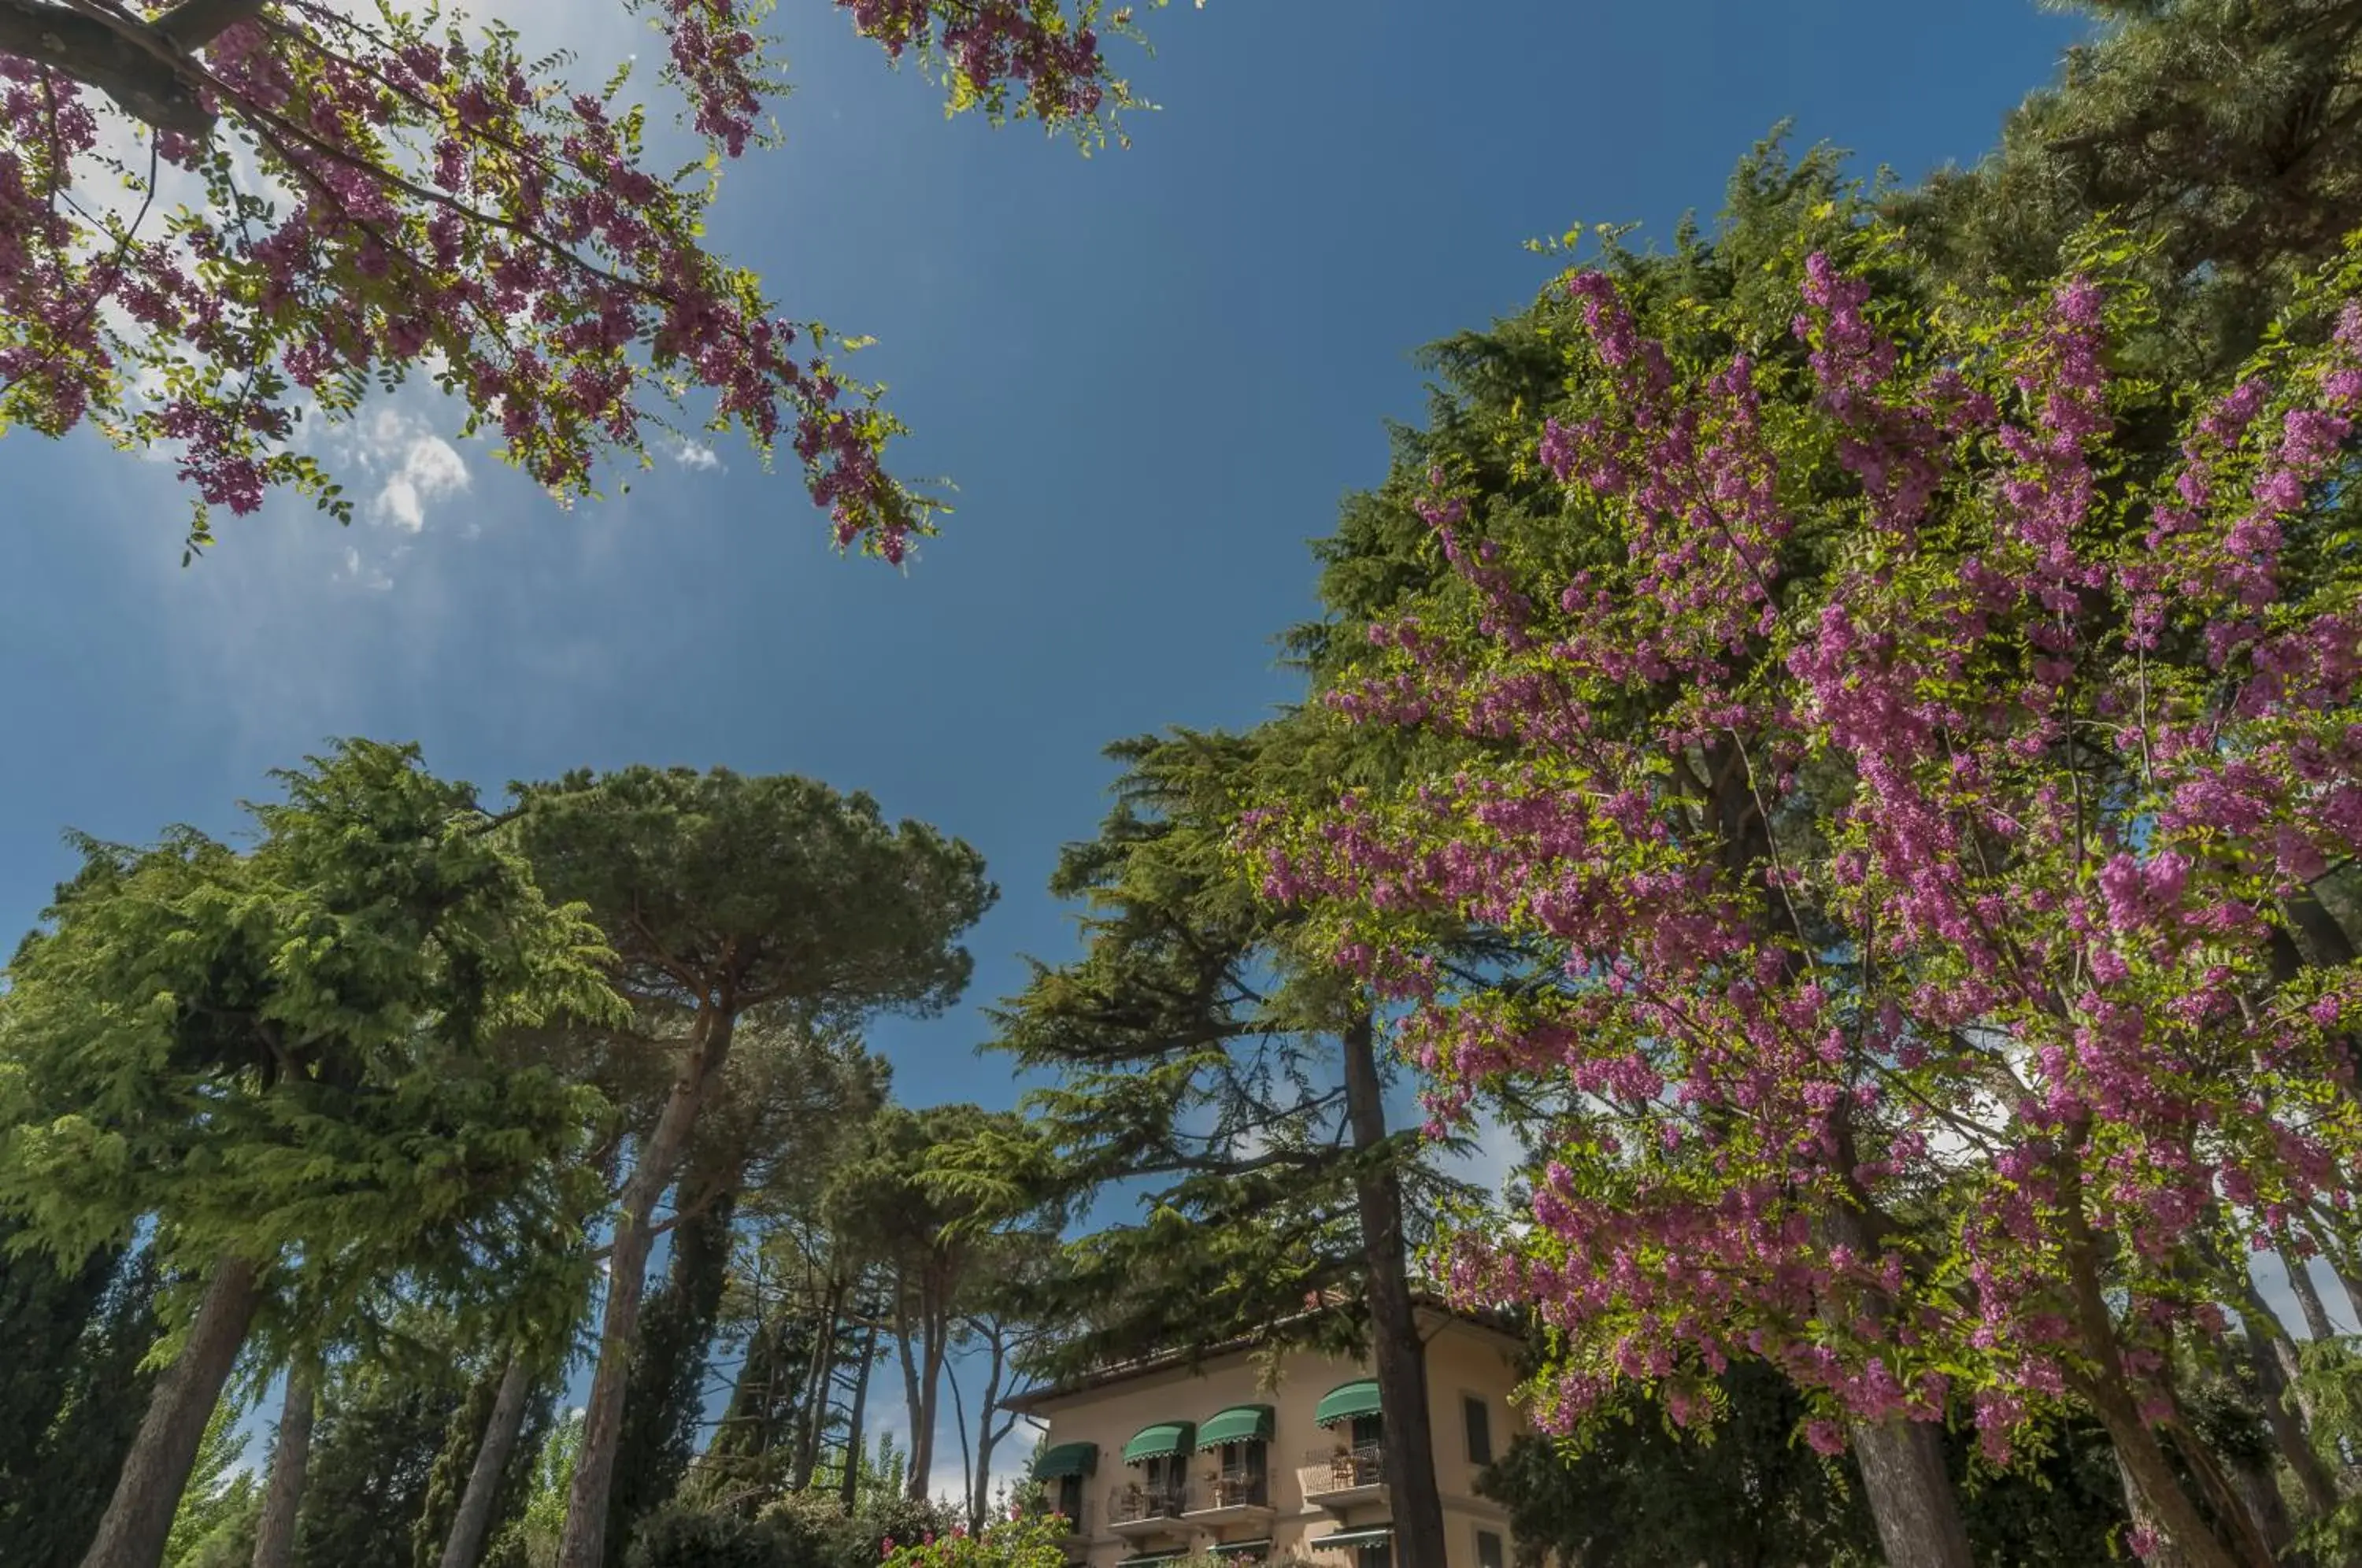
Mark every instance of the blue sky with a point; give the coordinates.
(1153, 374)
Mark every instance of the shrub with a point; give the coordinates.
(676, 1537)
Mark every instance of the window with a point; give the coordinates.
(1070, 1501)
(1490, 1550)
(1479, 1417)
(1369, 1432)
(1377, 1554)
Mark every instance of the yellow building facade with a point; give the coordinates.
(1158, 1458)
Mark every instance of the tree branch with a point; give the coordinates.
(193, 24)
(129, 62)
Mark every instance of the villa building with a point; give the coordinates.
(1155, 1458)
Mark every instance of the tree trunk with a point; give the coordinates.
(2160, 1492)
(2308, 1296)
(482, 1495)
(1910, 1495)
(987, 1440)
(914, 1483)
(139, 1517)
(291, 1456)
(818, 1374)
(129, 62)
(583, 1544)
(849, 1487)
(2258, 1488)
(2288, 1427)
(968, 1508)
(1399, 1356)
(2166, 1553)
(2341, 1263)
(1903, 1477)
(934, 1333)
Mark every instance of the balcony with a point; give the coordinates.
(1138, 1511)
(1232, 1496)
(1338, 1479)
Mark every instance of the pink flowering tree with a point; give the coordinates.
(224, 223)
(1918, 802)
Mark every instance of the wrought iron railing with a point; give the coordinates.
(1131, 1504)
(1233, 1489)
(1341, 1469)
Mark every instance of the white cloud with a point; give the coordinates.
(363, 573)
(419, 468)
(695, 455)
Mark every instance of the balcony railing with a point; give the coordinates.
(1326, 1472)
(1134, 1504)
(1233, 1489)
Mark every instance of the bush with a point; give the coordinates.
(676, 1537)
(821, 1534)
(1021, 1542)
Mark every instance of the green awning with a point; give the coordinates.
(1067, 1459)
(1157, 1441)
(1372, 1535)
(1241, 1547)
(1240, 1423)
(1356, 1398)
(1155, 1557)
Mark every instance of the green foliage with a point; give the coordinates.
(2060, 1503)
(295, 1052)
(1632, 1490)
(750, 892)
(530, 1540)
(1199, 1064)
(1637, 1492)
(446, 1481)
(2329, 1383)
(687, 1537)
(1021, 1542)
(2229, 130)
(807, 1530)
(76, 1404)
(664, 1404)
(373, 1452)
(44, 1313)
(218, 1508)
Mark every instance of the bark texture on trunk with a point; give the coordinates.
(2166, 1553)
(937, 1333)
(818, 1374)
(1397, 1351)
(139, 1517)
(2308, 1295)
(583, 1544)
(906, 1349)
(849, 1485)
(291, 1458)
(1910, 1495)
(2280, 1412)
(466, 1544)
(141, 66)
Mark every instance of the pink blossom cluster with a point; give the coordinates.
(1950, 854)
(447, 210)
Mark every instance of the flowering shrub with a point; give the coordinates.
(1024, 1540)
(434, 202)
(1919, 812)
